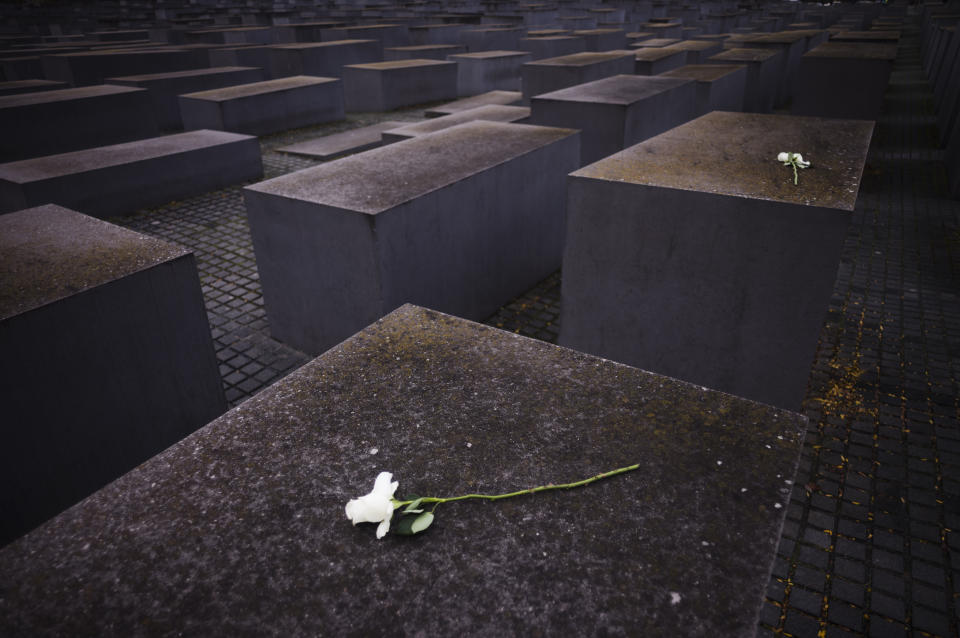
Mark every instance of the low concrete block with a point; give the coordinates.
(423, 52)
(383, 86)
(30, 86)
(444, 33)
(491, 39)
(389, 35)
(762, 75)
(121, 178)
(603, 39)
(554, 46)
(698, 50)
(86, 68)
(352, 141)
(508, 98)
(251, 56)
(322, 59)
(486, 71)
(793, 45)
(843, 79)
(107, 358)
(655, 42)
(616, 112)
(552, 74)
(647, 551)
(657, 60)
(48, 122)
(720, 87)
(488, 113)
(266, 107)
(703, 261)
(165, 88)
(461, 220)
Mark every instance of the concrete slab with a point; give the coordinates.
(618, 111)
(30, 86)
(486, 71)
(322, 59)
(384, 86)
(491, 39)
(704, 261)
(843, 79)
(461, 220)
(423, 52)
(87, 68)
(49, 122)
(683, 546)
(165, 88)
(762, 80)
(487, 113)
(107, 358)
(657, 60)
(698, 50)
(720, 87)
(121, 178)
(265, 107)
(491, 97)
(352, 141)
(552, 74)
(603, 39)
(543, 47)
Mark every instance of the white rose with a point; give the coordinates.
(375, 507)
(799, 159)
(783, 157)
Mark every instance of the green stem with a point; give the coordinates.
(532, 490)
(793, 163)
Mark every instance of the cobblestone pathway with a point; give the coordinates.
(869, 547)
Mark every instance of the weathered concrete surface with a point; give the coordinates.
(322, 59)
(85, 68)
(121, 178)
(553, 74)
(508, 98)
(107, 358)
(165, 88)
(698, 50)
(552, 46)
(657, 60)
(423, 52)
(762, 75)
(384, 86)
(266, 107)
(843, 79)
(618, 111)
(720, 87)
(30, 86)
(486, 71)
(704, 261)
(48, 122)
(461, 220)
(352, 141)
(241, 527)
(488, 113)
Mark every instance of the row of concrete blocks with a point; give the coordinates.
(941, 52)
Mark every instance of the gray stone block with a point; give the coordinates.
(461, 220)
(304, 31)
(763, 66)
(323, 59)
(116, 179)
(30, 86)
(266, 107)
(491, 39)
(792, 45)
(720, 87)
(487, 71)
(251, 56)
(448, 33)
(487, 113)
(352, 141)
(843, 79)
(423, 52)
(389, 35)
(165, 88)
(657, 60)
(48, 122)
(618, 111)
(244, 523)
(107, 358)
(384, 86)
(603, 39)
(87, 68)
(552, 46)
(693, 254)
(508, 98)
(698, 50)
(553, 74)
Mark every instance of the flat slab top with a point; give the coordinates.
(49, 253)
(616, 89)
(48, 166)
(242, 524)
(892, 35)
(309, 46)
(856, 50)
(704, 72)
(652, 54)
(340, 143)
(598, 31)
(259, 88)
(696, 45)
(485, 55)
(780, 37)
(385, 177)
(746, 55)
(584, 58)
(423, 47)
(487, 112)
(490, 97)
(394, 65)
(656, 42)
(189, 73)
(61, 95)
(735, 154)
